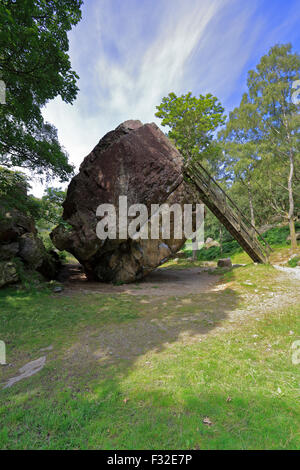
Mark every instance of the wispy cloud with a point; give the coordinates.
(137, 83)
(131, 53)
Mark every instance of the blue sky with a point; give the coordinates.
(131, 53)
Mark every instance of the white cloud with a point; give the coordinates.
(130, 58)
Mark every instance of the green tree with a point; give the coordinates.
(14, 186)
(51, 203)
(271, 86)
(192, 122)
(35, 66)
(261, 138)
(240, 139)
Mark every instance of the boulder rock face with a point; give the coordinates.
(8, 273)
(137, 161)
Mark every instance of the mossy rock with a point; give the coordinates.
(8, 273)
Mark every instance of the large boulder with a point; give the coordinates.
(8, 250)
(34, 255)
(137, 161)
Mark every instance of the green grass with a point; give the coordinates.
(241, 377)
(29, 318)
(294, 262)
(258, 276)
(70, 259)
(181, 263)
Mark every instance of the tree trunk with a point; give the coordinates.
(221, 239)
(251, 204)
(291, 205)
(250, 198)
(195, 252)
(290, 188)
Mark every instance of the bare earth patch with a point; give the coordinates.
(183, 306)
(177, 306)
(161, 282)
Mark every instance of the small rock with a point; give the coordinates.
(207, 421)
(57, 289)
(210, 243)
(225, 263)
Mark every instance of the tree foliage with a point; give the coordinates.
(51, 204)
(14, 187)
(192, 122)
(261, 139)
(35, 66)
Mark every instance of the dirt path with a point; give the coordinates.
(172, 306)
(292, 272)
(161, 282)
(185, 305)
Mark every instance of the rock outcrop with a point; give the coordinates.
(8, 273)
(137, 161)
(20, 246)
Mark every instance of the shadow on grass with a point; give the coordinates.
(122, 383)
(118, 414)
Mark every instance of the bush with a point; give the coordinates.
(293, 262)
(274, 236)
(210, 254)
(14, 186)
(278, 235)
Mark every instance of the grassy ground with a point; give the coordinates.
(132, 372)
(280, 255)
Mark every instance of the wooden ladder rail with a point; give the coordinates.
(213, 191)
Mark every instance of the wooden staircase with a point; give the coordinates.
(222, 206)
